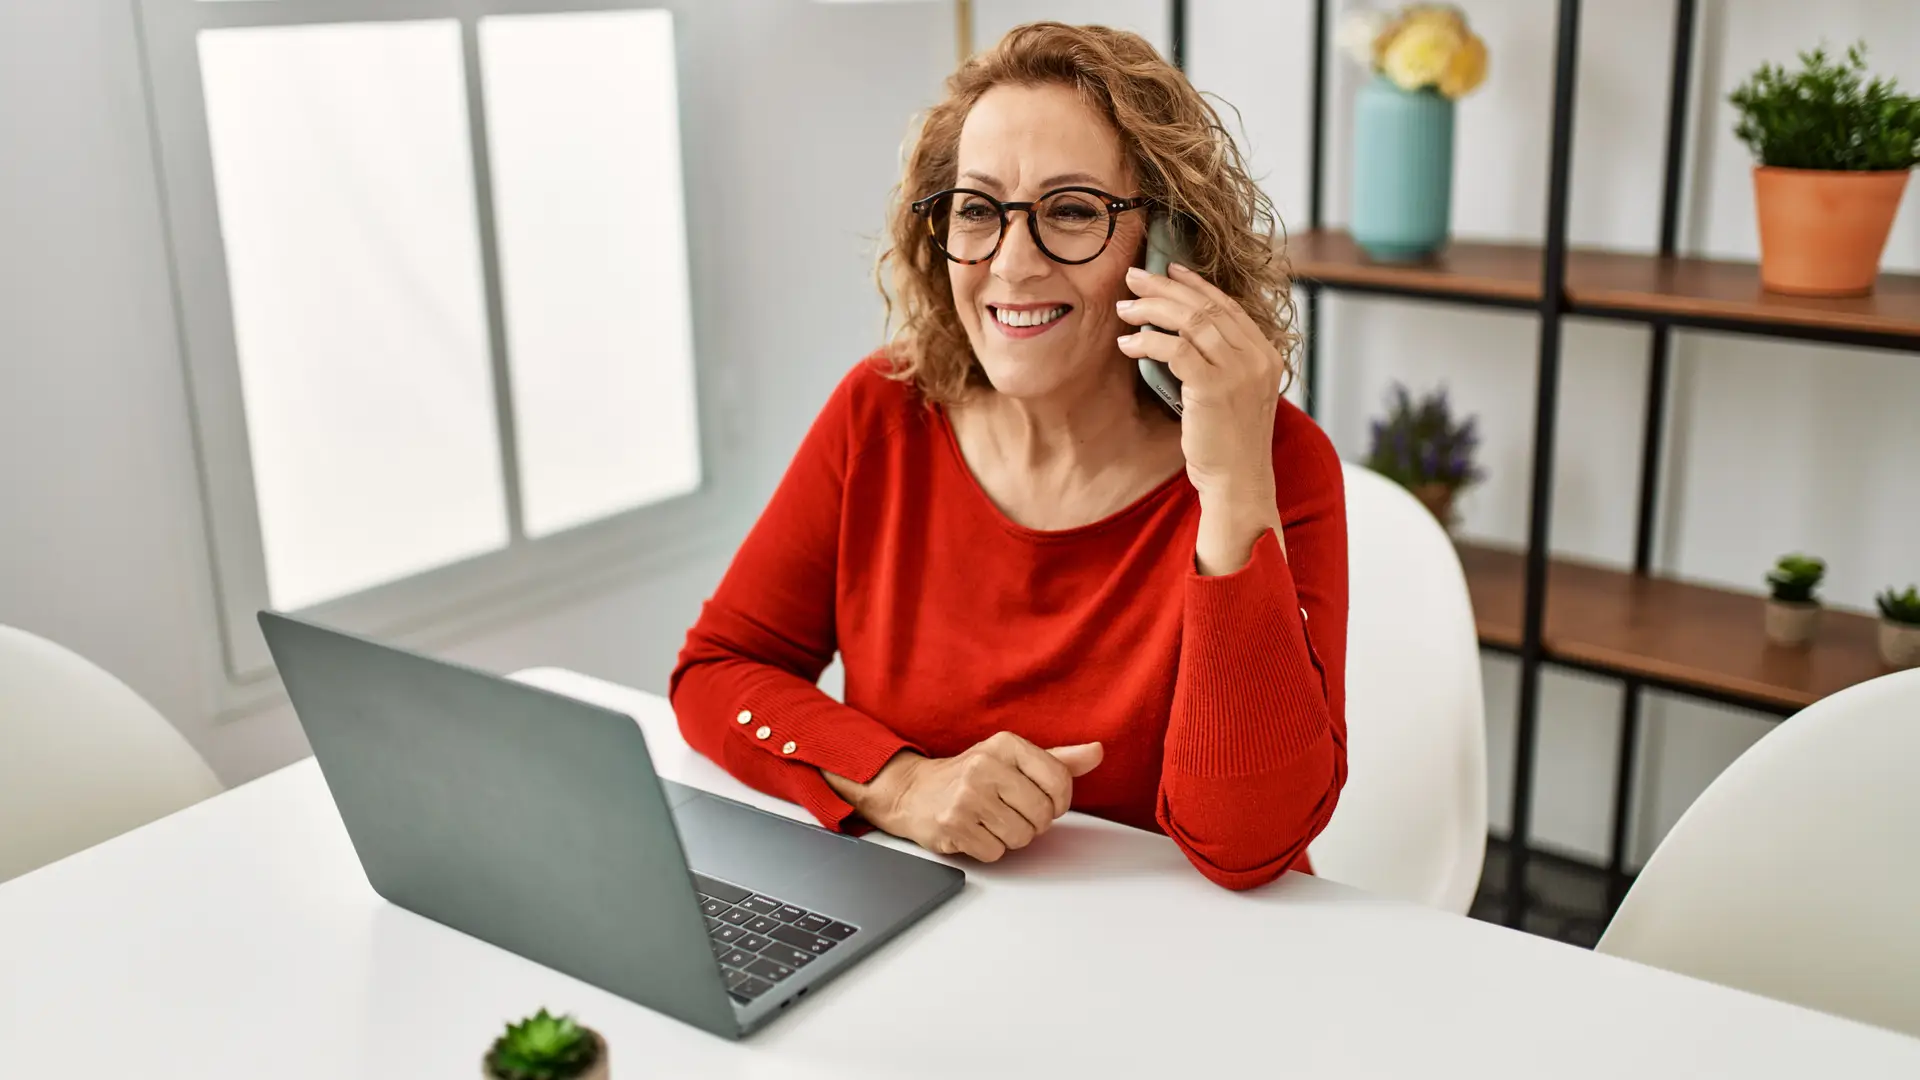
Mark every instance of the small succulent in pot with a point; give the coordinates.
(1793, 610)
(1900, 627)
(546, 1047)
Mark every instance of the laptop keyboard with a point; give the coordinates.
(759, 940)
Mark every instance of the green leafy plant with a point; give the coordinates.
(1902, 608)
(543, 1047)
(1794, 578)
(1420, 442)
(1827, 115)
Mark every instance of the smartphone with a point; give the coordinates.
(1166, 243)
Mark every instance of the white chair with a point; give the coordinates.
(82, 757)
(1412, 821)
(1796, 874)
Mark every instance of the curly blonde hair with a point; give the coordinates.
(1181, 156)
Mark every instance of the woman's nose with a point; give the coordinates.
(1019, 258)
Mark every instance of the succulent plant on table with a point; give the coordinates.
(547, 1047)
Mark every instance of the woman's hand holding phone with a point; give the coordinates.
(1230, 377)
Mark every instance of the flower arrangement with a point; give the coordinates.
(1420, 446)
(1418, 47)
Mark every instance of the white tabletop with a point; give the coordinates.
(239, 939)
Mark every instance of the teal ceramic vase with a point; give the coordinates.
(1402, 171)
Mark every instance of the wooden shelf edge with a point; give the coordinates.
(1613, 284)
(1674, 633)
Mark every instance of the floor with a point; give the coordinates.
(1567, 899)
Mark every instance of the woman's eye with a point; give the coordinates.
(1072, 213)
(976, 212)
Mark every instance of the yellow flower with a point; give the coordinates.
(1467, 70)
(1437, 15)
(1420, 53)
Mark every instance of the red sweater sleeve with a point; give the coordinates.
(744, 688)
(1256, 750)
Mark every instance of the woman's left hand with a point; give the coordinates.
(1230, 391)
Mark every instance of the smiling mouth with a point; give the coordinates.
(1029, 318)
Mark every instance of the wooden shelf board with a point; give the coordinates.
(1669, 631)
(1687, 288)
(1610, 282)
(1501, 272)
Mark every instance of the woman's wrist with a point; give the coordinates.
(1229, 527)
(879, 798)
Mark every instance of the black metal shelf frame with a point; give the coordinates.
(1552, 308)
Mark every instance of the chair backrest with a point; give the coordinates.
(82, 757)
(1412, 821)
(1796, 874)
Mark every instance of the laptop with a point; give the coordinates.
(535, 822)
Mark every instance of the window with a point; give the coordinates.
(432, 269)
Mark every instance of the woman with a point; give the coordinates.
(1049, 591)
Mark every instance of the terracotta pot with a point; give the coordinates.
(1822, 232)
(1438, 499)
(602, 1069)
(1899, 644)
(1791, 623)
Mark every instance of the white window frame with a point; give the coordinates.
(448, 601)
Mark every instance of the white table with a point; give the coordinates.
(239, 939)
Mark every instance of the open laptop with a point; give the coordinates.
(536, 822)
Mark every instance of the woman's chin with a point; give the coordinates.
(1022, 377)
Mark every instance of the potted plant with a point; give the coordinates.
(1420, 446)
(545, 1047)
(1900, 627)
(1423, 58)
(1792, 612)
(1833, 152)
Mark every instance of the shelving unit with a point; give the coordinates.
(1647, 630)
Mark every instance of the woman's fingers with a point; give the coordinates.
(1213, 296)
(1217, 337)
(1048, 776)
(1175, 351)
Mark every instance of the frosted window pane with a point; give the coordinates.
(345, 188)
(583, 126)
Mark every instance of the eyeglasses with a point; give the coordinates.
(1069, 225)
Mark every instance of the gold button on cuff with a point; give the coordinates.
(745, 717)
(790, 747)
(763, 732)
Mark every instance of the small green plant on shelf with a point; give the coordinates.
(1900, 607)
(1795, 577)
(1793, 612)
(546, 1047)
(1900, 627)
(1827, 115)
(1420, 446)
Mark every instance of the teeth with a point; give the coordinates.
(1036, 317)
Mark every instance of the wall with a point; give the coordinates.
(1774, 445)
(102, 542)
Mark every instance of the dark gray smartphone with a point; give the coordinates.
(1166, 244)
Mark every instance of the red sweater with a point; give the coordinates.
(1220, 700)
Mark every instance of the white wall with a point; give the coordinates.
(1774, 446)
(794, 114)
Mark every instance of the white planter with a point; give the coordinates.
(1899, 644)
(1791, 624)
